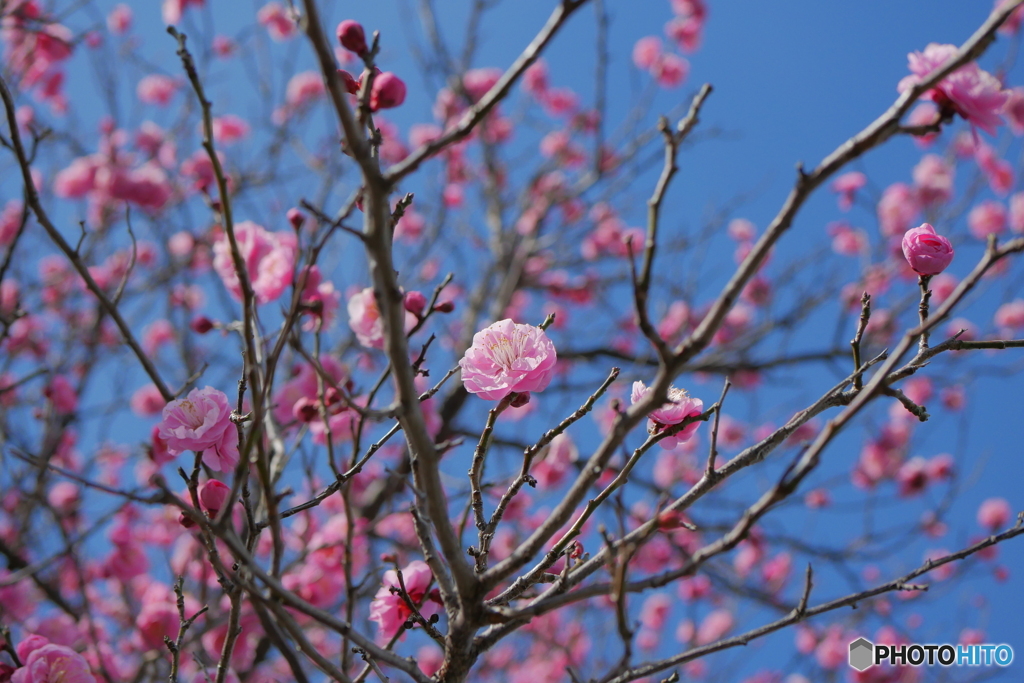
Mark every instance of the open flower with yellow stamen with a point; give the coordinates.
(202, 422)
(679, 407)
(507, 358)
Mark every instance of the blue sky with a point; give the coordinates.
(792, 81)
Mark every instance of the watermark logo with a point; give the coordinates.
(864, 654)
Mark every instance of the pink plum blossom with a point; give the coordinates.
(688, 25)
(10, 221)
(229, 128)
(202, 422)
(1016, 215)
(223, 46)
(364, 319)
(560, 101)
(36, 47)
(994, 513)
(478, 82)
(279, 23)
(741, 230)
(1011, 315)
(817, 499)
(51, 663)
(655, 610)
(847, 240)
(831, 652)
(147, 401)
(679, 407)
(897, 209)
(646, 52)
(174, 9)
(268, 257)
(924, 114)
(557, 463)
(912, 476)
(303, 387)
(714, 626)
(1013, 110)
(120, 19)
(933, 177)
(506, 358)
(685, 32)
(157, 620)
(670, 70)
(157, 334)
(999, 172)
(974, 94)
(927, 252)
(987, 218)
(390, 610)
(320, 299)
(62, 395)
(302, 90)
(846, 187)
(1012, 24)
(156, 89)
(535, 78)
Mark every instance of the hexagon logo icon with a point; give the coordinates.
(862, 654)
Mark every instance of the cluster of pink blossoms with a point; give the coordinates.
(685, 29)
(46, 662)
(389, 608)
(679, 407)
(268, 256)
(114, 174)
(388, 90)
(35, 49)
(971, 92)
(508, 358)
(201, 422)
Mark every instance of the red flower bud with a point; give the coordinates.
(350, 81)
(352, 37)
(445, 307)
(388, 91)
(214, 496)
(296, 218)
(201, 324)
(415, 302)
(520, 399)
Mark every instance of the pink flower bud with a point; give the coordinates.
(201, 324)
(415, 302)
(352, 37)
(927, 252)
(305, 409)
(296, 218)
(351, 84)
(445, 307)
(213, 496)
(388, 91)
